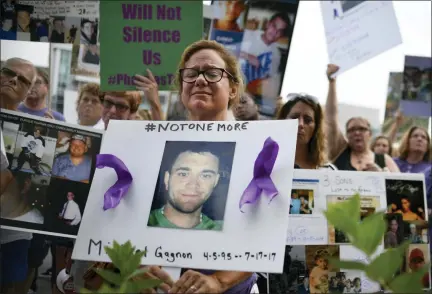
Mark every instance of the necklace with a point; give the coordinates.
(162, 211)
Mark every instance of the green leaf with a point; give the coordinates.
(106, 289)
(347, 264)
(383, 268)
(409, 282)
(345, 216)
(370, 233)
(137, 272)
(86, 291)
(139, 285)
(114, 254)
(110, 276)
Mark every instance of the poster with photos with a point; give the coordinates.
(52, 165)
(190, 191)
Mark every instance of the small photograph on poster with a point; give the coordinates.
(85, 60)
(192, 186)
(394, 235)
(7, 30)
(24, 199)
(407, 198)
(30, 27)
(317, 262)
(65, 206)
(10, 135)
(63, 29)
(394, 96)
(347, 5)
(417, 257)
(416, 232)
(369, 205)
(34, 149)
(302, 201)
(295, 276)
(89, 31)
(417, 86)
(344, 282)
(229, 23)
(264, 50)
(75, 162)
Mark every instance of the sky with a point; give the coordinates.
(366, 84)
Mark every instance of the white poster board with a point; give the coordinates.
(253, 240)
(63, 8)
(357, 31)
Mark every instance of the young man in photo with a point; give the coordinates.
(76, 164)
(260, 57)
(70, 214)
(35, 102)
(32, 150)
(189, 183)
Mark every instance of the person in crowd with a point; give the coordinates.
(194, 171)
(382, 145)
(70, 213)
(246, 109)
(17, 78)
(58, 31)
(76, 164)
(415, 153)
(35, 102)
(26, 28)
(260, 57)
(210, 83)
(32, 150)
(311, 143)
(391, 239)
(15, 205)
(89, 106)
(6, 31)
(351, 153)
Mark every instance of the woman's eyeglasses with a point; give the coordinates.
(12, 74)
(299, 96)
(119, 106)
(211, 75)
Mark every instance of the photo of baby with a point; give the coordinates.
(317, 261)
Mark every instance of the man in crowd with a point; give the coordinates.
(35, 102)
(32, 150)
(16, 80)
(89, 106)
(189, 182)
(120, 105)
(70, 214)
(74, 165)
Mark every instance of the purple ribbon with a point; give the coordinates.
(117, 191)
(261, 181)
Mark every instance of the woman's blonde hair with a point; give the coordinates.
(133, 98)
(317, 144)
(404, 146)
(231, 65)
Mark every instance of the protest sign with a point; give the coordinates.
(52, 164)
(193, 190)
(354, 31)
(147, 35)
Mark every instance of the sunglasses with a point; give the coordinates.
(12, 74)
(302, 96)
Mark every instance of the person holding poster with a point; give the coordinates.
(352, 153)
(210, 83)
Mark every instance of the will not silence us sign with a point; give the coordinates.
(137, 35)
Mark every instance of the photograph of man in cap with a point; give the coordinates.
(74, 165)
(417, 261)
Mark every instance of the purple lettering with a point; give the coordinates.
(140, 35)
(127, 34)
(137, 11)
(168, 13)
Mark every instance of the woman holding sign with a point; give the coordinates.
(210, 83)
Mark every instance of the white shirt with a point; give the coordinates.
(33, 216)
(3, 159)
(100, 125)
(72, 212)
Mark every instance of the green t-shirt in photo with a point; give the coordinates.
(157, 219)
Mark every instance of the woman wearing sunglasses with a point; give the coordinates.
(352, 153)
(311, 143)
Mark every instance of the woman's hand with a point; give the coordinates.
(48, 114)
(331, 70)
(195, 282)
(149, 86)
(155, 272)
